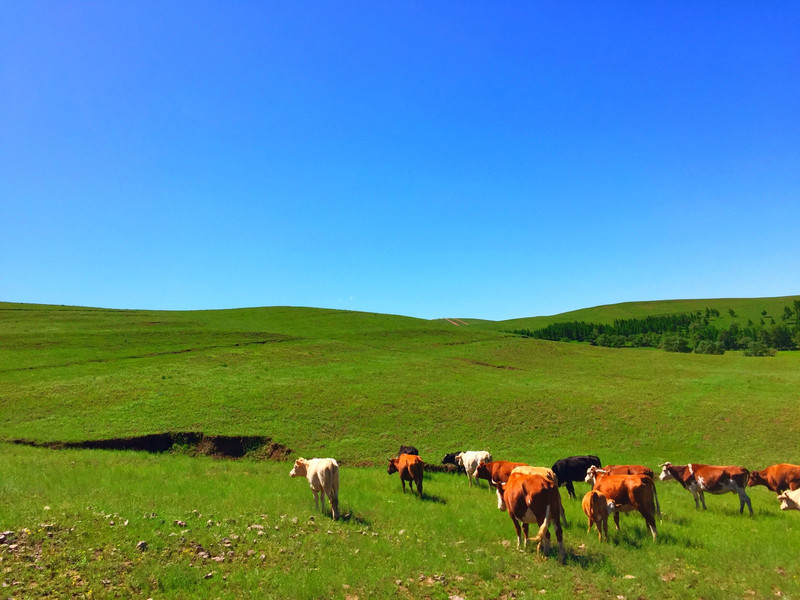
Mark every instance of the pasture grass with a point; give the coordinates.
(355, 386)
(217, 528)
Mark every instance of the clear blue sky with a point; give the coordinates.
(431, 159)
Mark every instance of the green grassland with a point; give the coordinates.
(354, 386)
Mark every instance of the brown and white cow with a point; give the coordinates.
(626, 493)
(545, 472)
(410, 467)
(699, 479)
(534, 499)
(790, 500)
(323, 478)
(595, 506)
(497, 472)
(777, 478)
(593, 474)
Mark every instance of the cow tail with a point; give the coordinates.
(543, 529)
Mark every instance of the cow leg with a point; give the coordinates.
(333, 499)
(616, 519)
(703, 499)
(588, 529)
(743, 497)
(525, 531)
(403, 481)
(501, 505)
(518, 529)
(322, 499)
(605, 529)
(564, 515)
(651, 522)
(562, 555)
(570, 489)
(419, 487)
(316, 498)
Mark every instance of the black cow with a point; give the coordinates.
(450, 459)
(409, 450)
(574, 468)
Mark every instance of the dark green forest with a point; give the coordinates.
(698, 332)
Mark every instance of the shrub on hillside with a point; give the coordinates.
(709, 347)
(759, 349)
(675, 343)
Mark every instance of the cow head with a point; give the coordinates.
(787, 503)
(392, 466)
(300, 468)
(666, 473)
(755, 478)
(483, 471)
(592, 474)
(450, 458)
(612, 507)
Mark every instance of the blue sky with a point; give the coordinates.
(430, 159)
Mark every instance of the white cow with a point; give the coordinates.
(323, 477)
(470, 461)
(790, 500)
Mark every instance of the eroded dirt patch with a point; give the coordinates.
(192, 442)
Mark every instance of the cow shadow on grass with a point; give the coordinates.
(351, 517)
(638, 536)
(589, 560)
(432, 498)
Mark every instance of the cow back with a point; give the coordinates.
(629, 470)
(500, 470)
(714, 476)
(410, 465)
(636, 491)
(573, 468)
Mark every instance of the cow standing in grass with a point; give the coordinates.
(323, 478)
(573, 468)
(595, 506)
(410, 467)
(470, 461)
(534, 499)
(626, 493)
(699, 478)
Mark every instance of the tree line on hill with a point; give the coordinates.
(684, 332)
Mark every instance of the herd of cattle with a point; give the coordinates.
(530, 494)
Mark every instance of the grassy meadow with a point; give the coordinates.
(355, 386)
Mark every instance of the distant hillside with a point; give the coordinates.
(744, 308)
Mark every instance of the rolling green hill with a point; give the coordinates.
(745, 309)
(359, 384)
(355, 386)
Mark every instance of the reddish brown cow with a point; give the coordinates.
(534, 499)
(410, 467)
(777, 478)
(629, 492)
(593, 474)
(497, 472)
(595, 506)
(629, 470)
(709, 478)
